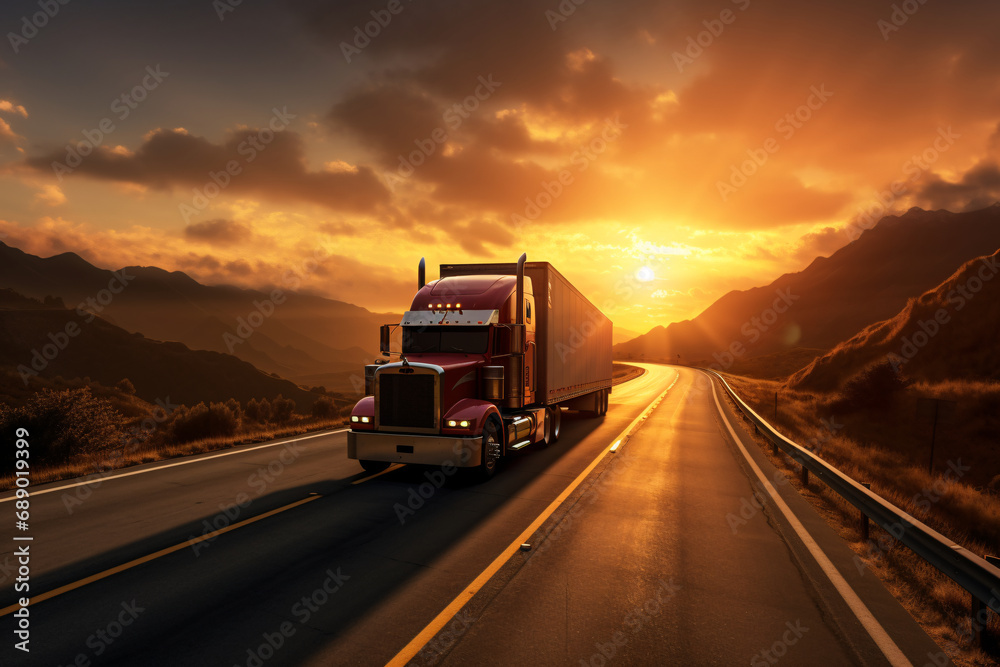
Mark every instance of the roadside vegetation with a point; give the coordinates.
(877, 429)
(79, 427)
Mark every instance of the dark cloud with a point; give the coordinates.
(218, 232)
(271, 165)
(820, 244)
(979, 187)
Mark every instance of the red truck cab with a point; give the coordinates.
(467, 389)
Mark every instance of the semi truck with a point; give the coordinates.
(488, 357)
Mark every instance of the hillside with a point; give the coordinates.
(833, 298)
(54, 341)
(303, 335)
(947, 333)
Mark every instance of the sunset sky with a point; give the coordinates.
(659, 154)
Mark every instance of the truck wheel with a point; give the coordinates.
(553, 420)
(492, 448)
(607, 400)
(374, 466)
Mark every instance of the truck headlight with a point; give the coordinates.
(354, 418)
(458, 424)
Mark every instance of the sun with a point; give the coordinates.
(645, 274)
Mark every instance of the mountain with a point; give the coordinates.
(620, 335)
(947, 333)
(50, 340)
(834, 297)
(294, 334)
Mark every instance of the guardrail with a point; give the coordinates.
(968, 570)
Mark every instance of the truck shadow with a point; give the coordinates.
(374, 561)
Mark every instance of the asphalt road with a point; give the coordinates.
(322, 564)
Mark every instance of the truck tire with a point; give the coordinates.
(492, 450)
(374, 466)
(553, 421)
(607, 400)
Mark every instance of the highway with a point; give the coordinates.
(655, 556)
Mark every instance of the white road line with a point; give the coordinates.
(100, 480)
(893, 654)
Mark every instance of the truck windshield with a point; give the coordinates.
(468, 340)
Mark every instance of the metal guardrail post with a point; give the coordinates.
(977, 627)
(865, 521)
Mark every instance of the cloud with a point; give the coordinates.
(276, 170)
(10, 107)
(977, 188)
(218, 232)
(823, 243)
(7, 135)
(51, 194)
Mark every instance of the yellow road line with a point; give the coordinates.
(417, 643)
(394, 466)
(145, 559)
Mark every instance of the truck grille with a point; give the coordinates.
(406, 400)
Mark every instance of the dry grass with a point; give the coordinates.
(625, 372)
(868, 448)
(88, 465)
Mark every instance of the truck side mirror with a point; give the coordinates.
(383, 342)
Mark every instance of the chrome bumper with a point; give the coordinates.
(420, 449)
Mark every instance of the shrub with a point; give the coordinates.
(63, 425)
(875, 386)
(202, 421)
(258, 410)
(125, 386)
(324, 408)
(281, 409)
